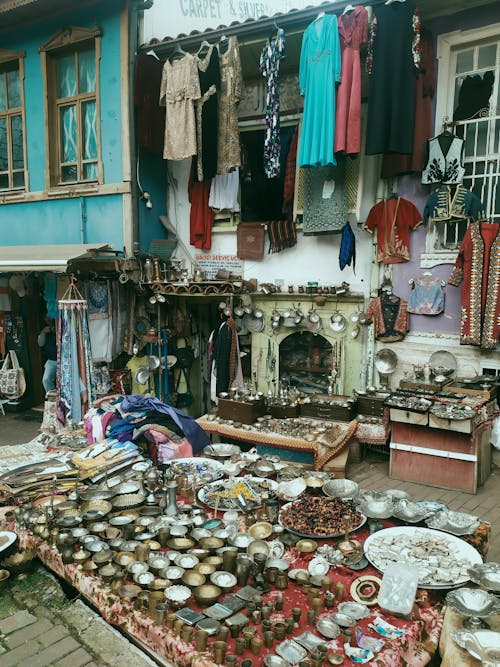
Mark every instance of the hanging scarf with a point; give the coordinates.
(282, 234)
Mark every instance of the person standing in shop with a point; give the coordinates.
(47, 341)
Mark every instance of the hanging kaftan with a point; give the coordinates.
(477, 269)
(353, 31)
(392, 60)
(207, 126)
(319, 72)
(180, 87)
(272, 54)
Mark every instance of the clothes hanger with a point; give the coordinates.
(348, 9)
(274, 31)
(177, 53)
(152, 53)
(393, 195)
(389, 2)
(204, 45)
(320, 16)
(223, 44)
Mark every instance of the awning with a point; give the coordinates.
(45, 257)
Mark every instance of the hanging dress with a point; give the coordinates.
(180, 87)
(425, 83)
(319, 72)
(392, 59)
(207, 115)
(353, 31)
(228, 146)
(270, 58)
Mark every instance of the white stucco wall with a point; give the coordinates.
(312, 259)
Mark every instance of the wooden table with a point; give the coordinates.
(322, 458)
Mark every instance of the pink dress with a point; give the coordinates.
(353, 31)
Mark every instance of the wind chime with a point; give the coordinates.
(75, 382)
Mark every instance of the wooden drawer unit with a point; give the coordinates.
(334, 410)
(241, 411)
(458, 425)
(409, 417)
(371, 405)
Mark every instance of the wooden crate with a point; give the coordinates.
(438, 457)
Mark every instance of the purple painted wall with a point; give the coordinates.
(411, 188)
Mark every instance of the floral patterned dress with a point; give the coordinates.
(270, 58)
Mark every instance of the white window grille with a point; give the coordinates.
(474, 53)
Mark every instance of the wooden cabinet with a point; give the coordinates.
(440, 457)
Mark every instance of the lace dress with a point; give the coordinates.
(228, 148)
(180, 87)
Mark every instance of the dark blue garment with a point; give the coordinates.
(196, 436)
(347, 253)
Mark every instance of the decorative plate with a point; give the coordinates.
(456, 523)
(291, 651)
(7, 539)
(198, 466)
(445, 563)
(288, 516)
(224, 494)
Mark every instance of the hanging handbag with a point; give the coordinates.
(12, 380)
(185, 398)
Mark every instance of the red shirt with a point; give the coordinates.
(393, 218)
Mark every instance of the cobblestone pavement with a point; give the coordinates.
(373, 473)
(41, 627)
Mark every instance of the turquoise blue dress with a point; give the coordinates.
(319, 72)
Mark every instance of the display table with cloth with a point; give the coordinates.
(416, 647)
(451, 654)
(331, 456)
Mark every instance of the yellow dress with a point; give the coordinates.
(134, 364)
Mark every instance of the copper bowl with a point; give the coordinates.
(205, 568)
(214, 560)
(206, 594)
(193, 578)
(124, 558)
(211, 543)
(181, 543)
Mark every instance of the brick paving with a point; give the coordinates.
(373, 473)
(40, 627)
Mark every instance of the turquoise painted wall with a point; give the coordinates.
(59, 221)
(153, 178)
(53, 222)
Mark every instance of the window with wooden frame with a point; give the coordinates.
(13, 174)
(468, 94)
(70, 63)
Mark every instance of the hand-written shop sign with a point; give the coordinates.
(211, 264)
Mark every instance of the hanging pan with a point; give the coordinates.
(338, 322)
(142, 375)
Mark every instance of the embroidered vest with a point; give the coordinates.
(444, 167)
